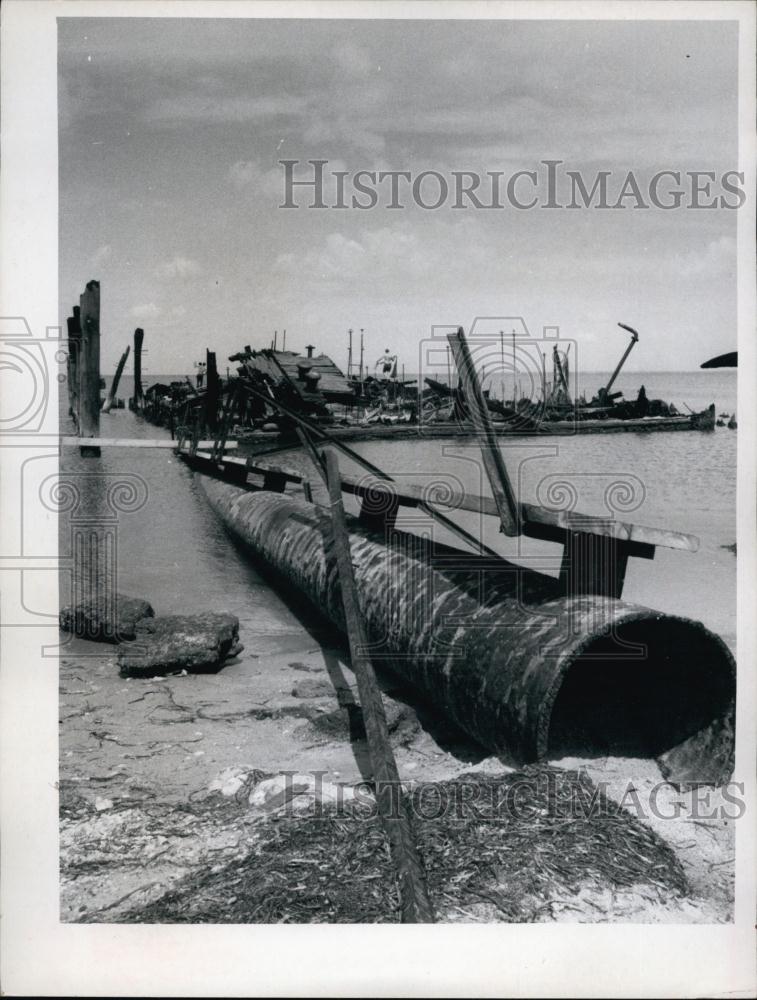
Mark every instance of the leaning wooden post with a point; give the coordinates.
(116, 379)
(137, 400)
(89, 368)
(494, 464)
(414, 902)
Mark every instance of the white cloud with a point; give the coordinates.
(146, 311)
(353, 59)
(249, 174)
(101, 255)
(178, 267)
(201, 107)
(717, 257)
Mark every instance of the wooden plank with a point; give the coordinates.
(539, 522)
(494, 464)
(392, 805)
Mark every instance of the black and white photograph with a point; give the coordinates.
(379, 498)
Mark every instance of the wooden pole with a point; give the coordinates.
(212, 390)
(89, 367)
(494, 464)
(516, 382)
(137, 400)
(544, 377)
(116, 379)
(74, 347)
(415, 905)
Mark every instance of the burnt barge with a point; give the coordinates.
(500, 651)
(703, 421)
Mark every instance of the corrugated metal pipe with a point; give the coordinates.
(526, 671)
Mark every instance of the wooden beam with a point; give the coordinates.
(494, 464)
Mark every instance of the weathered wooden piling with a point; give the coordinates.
(116, 379)
(500, 650)
(89, 368)
(72, 364)
(137, 400)
(212, 391)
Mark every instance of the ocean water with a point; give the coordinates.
(174, 551)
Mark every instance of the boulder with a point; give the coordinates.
(105, 618)
(171, 644)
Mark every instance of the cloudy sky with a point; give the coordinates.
(171, 131)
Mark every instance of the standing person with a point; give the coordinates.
(386, 366)
(201, 366)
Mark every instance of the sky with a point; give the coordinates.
(170, 137)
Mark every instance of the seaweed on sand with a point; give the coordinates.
(513, 841)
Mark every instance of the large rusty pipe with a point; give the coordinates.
(499, 650)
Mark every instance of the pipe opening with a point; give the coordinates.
(642, 707)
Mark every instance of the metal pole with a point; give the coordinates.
(361, 354)
(349, 354)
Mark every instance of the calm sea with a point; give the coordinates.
(174, 552)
